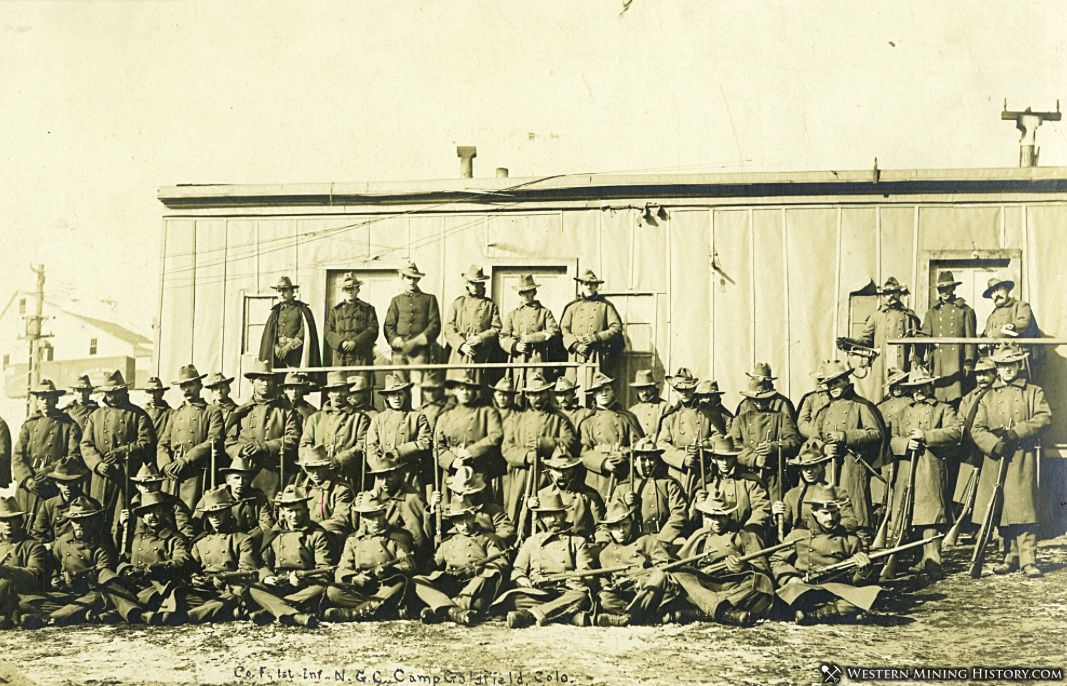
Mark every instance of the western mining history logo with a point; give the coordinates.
(834, 674)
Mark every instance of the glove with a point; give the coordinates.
(1001, 449)
(630, 499)
(582, 349)
(397, 343)
(32, 486)
(107, 470)
(734, 565)
(175, 469)
(778, 508)
(1010, 436)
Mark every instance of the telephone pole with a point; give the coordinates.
(34, 336)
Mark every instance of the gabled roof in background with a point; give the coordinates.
(119, 331)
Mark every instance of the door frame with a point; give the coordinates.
(1014, 270)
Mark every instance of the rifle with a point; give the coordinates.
(475, 567)
(313, 572)
(127, 529)
(986, 531)
(524, 506)
(781, 482)
(881, 537)
(833, 570)
(438, 517)
(234, 576)
(865, 464)
(703, 467)
(907, 509)
(630, 451)
(970, 494)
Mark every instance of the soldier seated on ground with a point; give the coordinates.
(225, 560)
(720, 586)
(627, 597)
(149, 480)
(471, 566)
(798, 570)
(375, 567)
(584, 508)
(251, 508)
(545, 591)
(489, 517)
(330, 498)
(23, 565)
(159, 561)
(404, 506)
(796, 506)
(51, 520)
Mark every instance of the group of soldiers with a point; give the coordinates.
(515, 500)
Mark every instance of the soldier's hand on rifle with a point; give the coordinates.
(1009, 330)
(248, 450)
(32, 486)
(614, 464)
(861, 559)
(397, 343)
(174, 469)
(968, 367)
(630, 499)
(835, 437)
(778, 508)
(124, 516)
(916, 440)
(532, 503)
(200, 580)
(218, 583)
(1010, 436)
(108, 470)
(348, 346)
(294, 580)
(435, 501)
(362, 579)
(765, 448)
(582, 349)
(691, 460)
(760, 461)
(734, 565)
(523, 582)
(575, 584)
(273, 580)
(58, 582)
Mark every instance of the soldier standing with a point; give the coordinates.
(951, 363)
(891, 320)
(762, 381)
(650, 407)
(351, 327)
(290, 338)
(504, 393)
(529, 330)
(219, 385)
(47, 437)
(68, 477)
(470, 433)
(157, 407)
(767, 433)
(591, 327)
(84, 405)
(412, 322)
(1011, 317)
(403, 432)
(604, 438)
(685, 428)
(813, 401)
(985, 373)
(434, 402)
(566, 394)
(473, 323)
(265, 431)
(192, 441)
(340, 429)
(295, 386)
(1008, 426)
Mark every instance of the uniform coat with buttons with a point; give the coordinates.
(125, 433)
(413, 316)
(1021, 317)
(356, 323)
(1023, 404)
(547, 429)
(472, 315)
(194, 433)
(406, 433)
(405, 510)
(811, 552)
(752, 427)
(624, 593)
(25, 562)
(452, 585)
(970, 455)
(284, 550)
(159, 413)
(585, 507)
(163, 546)
(954, 318)
(365, 551)
(75, 556)
(943, 431)
(863, 435)
(798, 506)
(649, 415)
(890, 321)
(687, 425)
(274, 428)
(51, 520)
(493, 520)
(229, 551)
(746, 491)
(809, 408)
(180, 515)
(343, 432)
(80, 411)
(597, 317)
(537, 323)
(598, 436)
(779, 403)
(328, 506)
(43, 441)
(751, 589)
(547, 553)
(477, 428)
(253, 513)
(661, 508)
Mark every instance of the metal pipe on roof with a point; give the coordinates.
(466, 154)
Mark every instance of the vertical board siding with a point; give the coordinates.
(810, 235)
(769, 338)
(733, 305)
(692, 322)
(209, 294)
(179, 274)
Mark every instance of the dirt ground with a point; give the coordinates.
(994, 621)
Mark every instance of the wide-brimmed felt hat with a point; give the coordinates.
(918, 377)
(588, 276)
(186, 374)
(647, 446)
(985, 364)
(722, 444)
(240, 465)
(154, 385)
(285, 282)
(505, 385)
(820, 372)
(461, 377)
(292, 494)
(386, 462)
(617, 511)
(150, 500)
(459, 505)
(643, 378)
(811, 453)
(112, 382)
(47, 387)
(217, 499)
(9, 507)
(217, 379)
(708, 387)
(894, 376)
(834, 370)
(394, 383)
(564, 385)
(411, 270)
(432, 379)
(68, 470)
(82, 384)
(822, 497)
(296, 380)
(82, 507)
(368, 502)
(526, 283)
(349, 281)
(946, 280)
(358, 383)
(757, 389)
(260, 369)
(600, 380)
(475, 274)
(335, 380)
(994, 283)
(536, 383)
(713, 505)
(891, 285)
(561, 460)
(761, 371)
(314, 456)
(683, 378)
(551, 501)
(466, 481)
(1007, 354)
(147, 474)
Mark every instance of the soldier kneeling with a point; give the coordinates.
(625, 597)
(471, 567)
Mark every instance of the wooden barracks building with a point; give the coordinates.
(712, 272)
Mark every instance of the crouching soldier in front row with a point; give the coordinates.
(159, 560)
(471, 567)
(225, 557)
(546, 589)
(720, 585)
(800, 570)
(296, 555)
(23, 565)
(628, 597)
(376, 564)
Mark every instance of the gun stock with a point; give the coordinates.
(720, 567)
(991, 515)
(881, 537)
(907, 505)
(970, 493)
(833, 570)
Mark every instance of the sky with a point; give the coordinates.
(103, 102)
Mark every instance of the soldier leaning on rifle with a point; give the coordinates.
(159, 562)
(194, 432)
(340, 430)
(825, 543)
(720, 586)
(46, 438)
(732, 484)
(925, 438)
(604, 437)
(951, 363)
(650, 407)
(813, 401)
(84, 405)
(765, 435)
(23, 565)
(404, 506)
(86, 588)
(796, 506)
(218, 386)
(265, 431)
(51, 522)
(251, 509)
(540, 430)
(157, 408)
(376, 565)
(658, 501)
(891, 407)
(623, 597)
(489, 517)
(295, 546)
(541, 596)
(761, 382)
(584, 506)
(471, 566)
(684, 427)
(148, 480)
(223, 549)
(295, 386)
(473, 323)
(566, 394)
(403, 432)
(116, 441)
(329, 499)
(985, 373)
(470, 433)
(1008, 426)
(504, 398)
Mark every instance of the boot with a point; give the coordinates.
(305, 620)
(429, 615)
(30, 621)
(260, 617)
(682, 615)
(1032, 571)
(1008, 566)
(612, 619)
(461, 616)
(581, 619)
(359, 613)
(735, 616)
(520, 619)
